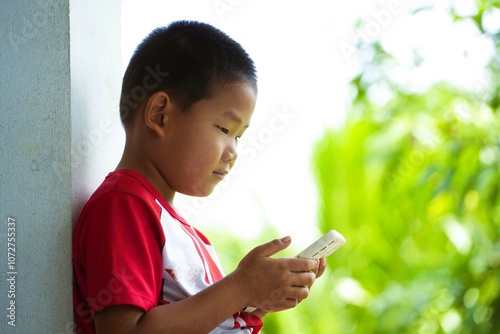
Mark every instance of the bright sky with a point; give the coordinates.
(305, 55)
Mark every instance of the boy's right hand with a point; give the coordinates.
(274, 284)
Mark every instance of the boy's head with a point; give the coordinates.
(188, 95)
(188, 60)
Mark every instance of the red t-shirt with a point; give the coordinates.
(130, 247)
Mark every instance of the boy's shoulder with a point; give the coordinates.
(128, 183)
(124, 180)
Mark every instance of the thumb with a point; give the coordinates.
(272, 247)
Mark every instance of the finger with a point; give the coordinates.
(298, 293)
(291, 303)
(321, 268)
(272, 247)
(301, 265)
(302, 279)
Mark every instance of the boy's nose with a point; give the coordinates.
(230, 154)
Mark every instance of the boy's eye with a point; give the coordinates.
(226, 131)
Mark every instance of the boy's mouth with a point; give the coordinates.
(220, 174)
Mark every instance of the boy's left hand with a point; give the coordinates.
(319, 270)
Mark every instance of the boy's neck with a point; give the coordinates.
(134, 160)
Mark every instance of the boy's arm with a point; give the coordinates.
(259, 281)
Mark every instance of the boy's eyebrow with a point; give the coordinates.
(233, 117)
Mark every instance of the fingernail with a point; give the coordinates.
(286, 239)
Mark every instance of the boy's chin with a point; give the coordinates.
(207, 191)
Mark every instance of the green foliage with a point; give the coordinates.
(416, 195)
(414, 186)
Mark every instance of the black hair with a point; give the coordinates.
(187, 59)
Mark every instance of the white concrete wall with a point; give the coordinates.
(96, 73)
(59, 84)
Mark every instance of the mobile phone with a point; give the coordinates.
(324, 246)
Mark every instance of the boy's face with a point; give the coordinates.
(199, 147)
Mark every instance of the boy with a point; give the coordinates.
(188, 95)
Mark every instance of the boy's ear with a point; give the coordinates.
(157, 112)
